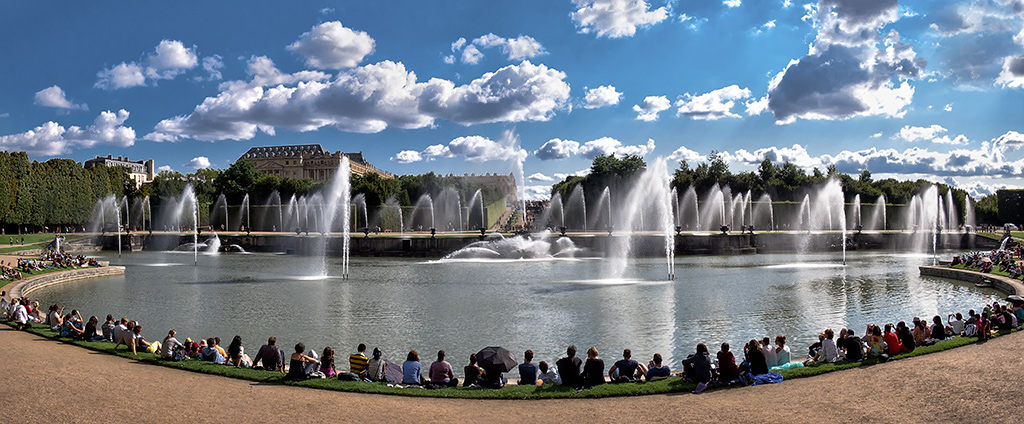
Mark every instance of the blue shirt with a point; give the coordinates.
(528, 372)
(411, 372)
(662, 371)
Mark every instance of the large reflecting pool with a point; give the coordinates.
(400, 304)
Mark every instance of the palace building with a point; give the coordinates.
(306, 161)
(141, 172)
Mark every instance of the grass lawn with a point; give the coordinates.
(670, 385)
(32, 241)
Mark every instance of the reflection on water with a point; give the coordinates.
(543, 305)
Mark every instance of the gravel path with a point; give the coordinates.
(49, 381)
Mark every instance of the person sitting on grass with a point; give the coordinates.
(782, 353)
(210, 352)
(697, 368)
(828, 352)
(593, 369)
(441, 373)
(68, 329)
(528, 371)
(547, 375)
(876, 346)
(21, 315)
(108, 328)
(358, 361)
(236, 354)
(657, 371)
(728, 372)
(626, 369)
(893, 346)
(376, 365)
(171, 346)
(755, 362)
(956, 326)
(920, 332)
(851, 347)
(569, 367)
(907, 341)
(938, 330)
(769, 352)
(411, 369)
(91, 335)
(472, 372)
(297, 365)
(220, 350)
(327, 363)
(137, 341)
(271, 357)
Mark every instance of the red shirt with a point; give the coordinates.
(892, 343)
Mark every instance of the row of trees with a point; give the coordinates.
(59, 192)
(785, 182)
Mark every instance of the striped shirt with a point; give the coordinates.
(357, 363)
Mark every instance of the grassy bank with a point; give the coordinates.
(32, 241)
(671, 385)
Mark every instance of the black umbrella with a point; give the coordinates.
(1015, 298)
(496, 358)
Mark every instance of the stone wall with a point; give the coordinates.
(1003, 284)
(28, 285)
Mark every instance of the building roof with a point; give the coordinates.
(285, 151)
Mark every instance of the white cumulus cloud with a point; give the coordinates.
(212, 65)
(198, 162)
(910, 133)
(169, 59)
(515, 49)
(653, 105)
(54, 96)
(331, 45)
(602, 96)
(407, 156)
(537, 176)
(615, 18)
(471, 55)
(51, 139)
(1012, 75)
(367, 99)
(845, 74)
(609, 146)
(713, 105)
(732, 3)
(682, 153)
(557, 149)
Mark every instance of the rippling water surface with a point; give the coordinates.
(463, 306)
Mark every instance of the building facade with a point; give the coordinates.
(306, 161)
(141, 172)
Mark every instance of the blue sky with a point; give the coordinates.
(930, 89)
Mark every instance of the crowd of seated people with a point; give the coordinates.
(1004, 260)
(762, 359)
(48, 259)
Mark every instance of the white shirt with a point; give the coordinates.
(20, 314)
(958, 326)
(783, 356)
(828, 346)
(769, 356)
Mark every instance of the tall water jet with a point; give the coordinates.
(357, 201)
(391, 215)
(338, 198)
(221, 205)
(688, 208)
(477, 199)
(424, 209)
(577, 206)
(713, 212)
(118, 209)
(952, 223)
(243, 214)
(604, 211)
(856, 212)
(651, 189)
(765, 209)
(448, 209)
(804, 221)
(970, 224)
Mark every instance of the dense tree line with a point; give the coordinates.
(784, 183)
(59, 192)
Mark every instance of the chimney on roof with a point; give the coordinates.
(110, 156)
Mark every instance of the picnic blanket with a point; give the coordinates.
(769, 378)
